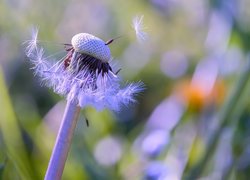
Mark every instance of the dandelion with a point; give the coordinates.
(139, 28)
(85, 76)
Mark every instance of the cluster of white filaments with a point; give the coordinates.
(84, 75)
(139, 28)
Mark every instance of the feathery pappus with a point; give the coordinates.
(85, 74)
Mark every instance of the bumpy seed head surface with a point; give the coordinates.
(88, 44)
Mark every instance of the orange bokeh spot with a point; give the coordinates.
(196, 97)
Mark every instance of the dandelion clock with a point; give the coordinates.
(85, 77)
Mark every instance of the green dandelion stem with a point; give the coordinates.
(63, 142)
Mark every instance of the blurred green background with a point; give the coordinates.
(192, 121)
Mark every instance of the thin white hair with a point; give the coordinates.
(32, 43)
(139, 28)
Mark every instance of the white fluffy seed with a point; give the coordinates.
(88, 44)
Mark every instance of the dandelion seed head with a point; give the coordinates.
(84, 75)
(88, 44)
(139, 28)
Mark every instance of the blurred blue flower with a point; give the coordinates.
(219, 31)
(174, 64)
(167, 114)
(154, 142)
(108, 151)
(156, 171)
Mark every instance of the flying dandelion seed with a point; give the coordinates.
(139, 28)
(84, 75)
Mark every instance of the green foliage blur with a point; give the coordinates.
(192, 121)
